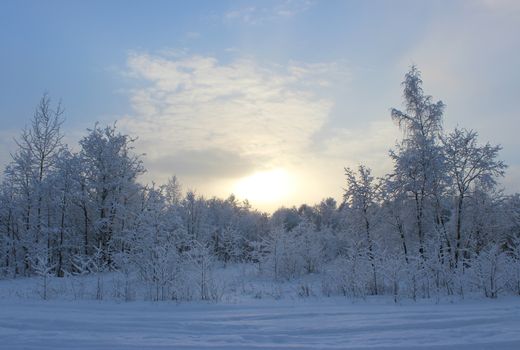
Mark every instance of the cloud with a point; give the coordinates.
(213, 122)
(258, 15)
(192, 35)
(202, 163)
(509, 6)
(241, 115)
(368, 145)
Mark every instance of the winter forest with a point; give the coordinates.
(438, 224)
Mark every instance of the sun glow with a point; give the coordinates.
(265, 187)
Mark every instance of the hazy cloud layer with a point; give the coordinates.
(263, 116)
(368, 145)
(473, 73)
(212, 122)
(202, 164)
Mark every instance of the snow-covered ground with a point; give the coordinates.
(253, 313)
(332, 323)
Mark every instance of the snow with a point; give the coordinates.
(254, 313)
(328, 323)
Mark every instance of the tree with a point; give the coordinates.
(468, 164)
(151, 245)
(63, 182)
(395, 208)
(9, 238)
(418, 161)
(42, 143)
(111, 170)
(194, 214)
(361, 195)
(38, 149)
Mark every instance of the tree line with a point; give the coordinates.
(436, 224)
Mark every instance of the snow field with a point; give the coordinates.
(333, 323)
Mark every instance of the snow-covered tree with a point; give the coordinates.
(361, 196)
(40, 144)
(418, 160)
(468, 164)
(111, 170)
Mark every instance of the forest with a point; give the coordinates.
(438, 224)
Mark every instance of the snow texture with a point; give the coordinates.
(334, 323)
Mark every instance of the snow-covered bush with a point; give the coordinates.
(44, 270)
(349, 275)
(200, 263)
(489, 270)
(513, 264)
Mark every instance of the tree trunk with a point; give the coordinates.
(458, 228)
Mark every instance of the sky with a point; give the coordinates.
(268, 100)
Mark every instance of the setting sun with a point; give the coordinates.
(264, 187)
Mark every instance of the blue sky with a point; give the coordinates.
(220, 90)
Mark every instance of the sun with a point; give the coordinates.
(264, 187)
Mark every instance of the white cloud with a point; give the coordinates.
(212, 122)
(264, 115)
(258, 15)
